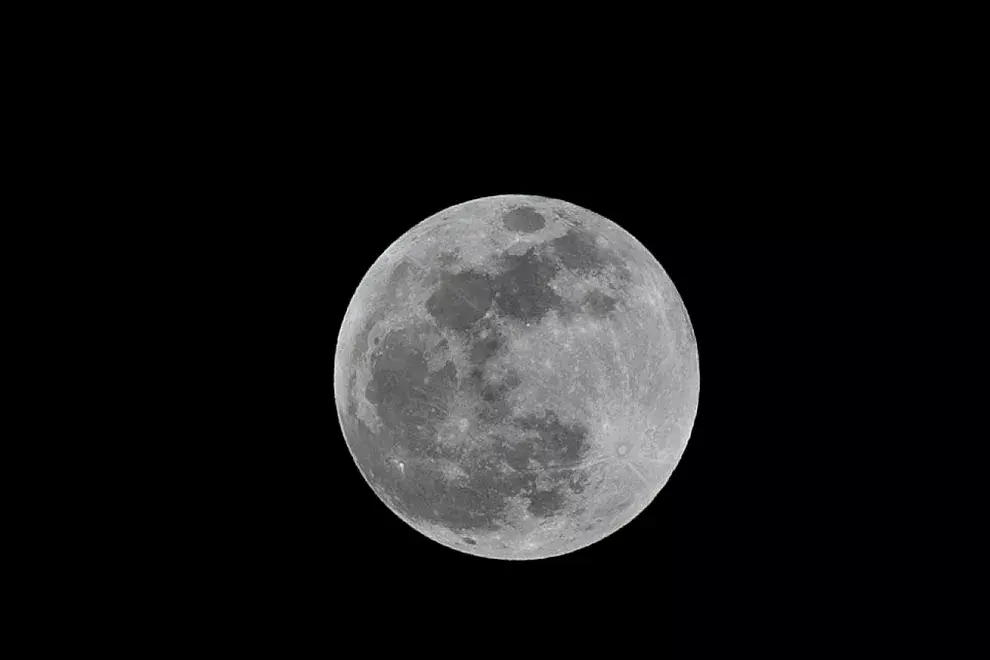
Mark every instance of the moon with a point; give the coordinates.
(516, 377)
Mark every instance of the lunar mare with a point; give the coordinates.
(516, 377)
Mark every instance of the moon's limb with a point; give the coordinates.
(606, 345)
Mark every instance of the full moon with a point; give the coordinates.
(516, 377)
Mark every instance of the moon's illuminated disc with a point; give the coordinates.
(516, 377)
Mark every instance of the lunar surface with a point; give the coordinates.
(516, 377)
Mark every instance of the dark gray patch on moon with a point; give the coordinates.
(351, 401)
(523, 220)
(485, 347)
(523, 291)
(543, 503)
(535, 457)
(398, 275)
(599, 304)
(555, 443)
(578, 252)
(493, 406)
(448, 258)
(460, 300)
(402, 389)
